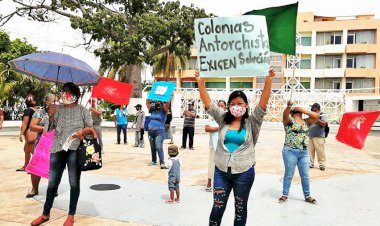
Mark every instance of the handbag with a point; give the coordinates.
(30, 136)
(89, 154)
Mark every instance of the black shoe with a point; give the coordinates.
(322, 168)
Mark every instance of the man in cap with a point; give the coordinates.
(139, 123)
(317, 137)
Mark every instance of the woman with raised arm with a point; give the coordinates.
(235, 152)
(295, 151)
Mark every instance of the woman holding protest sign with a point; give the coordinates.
(235, 152)
(71, 123)
(156, 130)
(42, 122)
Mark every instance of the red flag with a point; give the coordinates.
(113, 91)
(355, 127)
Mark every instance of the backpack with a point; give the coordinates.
(327, 128)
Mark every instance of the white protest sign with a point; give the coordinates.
(232, 46)
(161, 90)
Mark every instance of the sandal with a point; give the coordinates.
(311, 200)
(177, 200)
(282, 199)
(209, 189)
(31, 195)
(20, 169)
(169, 201)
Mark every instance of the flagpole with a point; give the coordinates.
(291, 91)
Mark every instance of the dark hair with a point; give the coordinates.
(72, 88)
(228, 118)
(224, 102)
(29, 101)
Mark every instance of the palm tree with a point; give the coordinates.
(168, 63)
(6, 87)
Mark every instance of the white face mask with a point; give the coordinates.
(237, 111)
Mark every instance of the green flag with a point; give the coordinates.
(281, 23)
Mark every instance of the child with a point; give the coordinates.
(173, 166)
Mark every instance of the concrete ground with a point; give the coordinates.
(346, 191)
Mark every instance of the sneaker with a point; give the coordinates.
(162, 166)
(135, 145)
(322, 168)
(152, 164)
(192, 148)
(142, 145)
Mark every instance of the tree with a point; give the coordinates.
(132, 32)
(14, 86)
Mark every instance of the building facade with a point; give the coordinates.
(340, 54)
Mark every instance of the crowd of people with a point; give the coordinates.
(234, 132)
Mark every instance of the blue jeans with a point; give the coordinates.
(58, 161)
(119, 129)
(241, 183)
(296, 157)
(156, 140)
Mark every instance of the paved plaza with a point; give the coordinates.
(347, 192)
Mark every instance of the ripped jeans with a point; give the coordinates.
(241, 184)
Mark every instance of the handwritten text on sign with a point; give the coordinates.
(232, 46)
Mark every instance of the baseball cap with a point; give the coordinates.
(138, 105)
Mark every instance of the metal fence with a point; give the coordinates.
(331, 101)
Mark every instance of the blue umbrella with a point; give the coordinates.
(56, 67)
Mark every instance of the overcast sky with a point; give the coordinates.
(59, 37)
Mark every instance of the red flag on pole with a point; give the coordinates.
(113, 91)
(355, 127)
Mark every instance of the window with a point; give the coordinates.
(361, 37)
(305, 63)
(336, 62)
(349, 85)
(329, 38)
(192, 64)
(189, 85)
(361, 61)
(327, 83)
(351, 62)
(215, 84)
(351, 38)
(362, 85)
(306, 85)
(242, 85)
(336, 85)
(328, 61)
(335, 38)
(306, 41)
